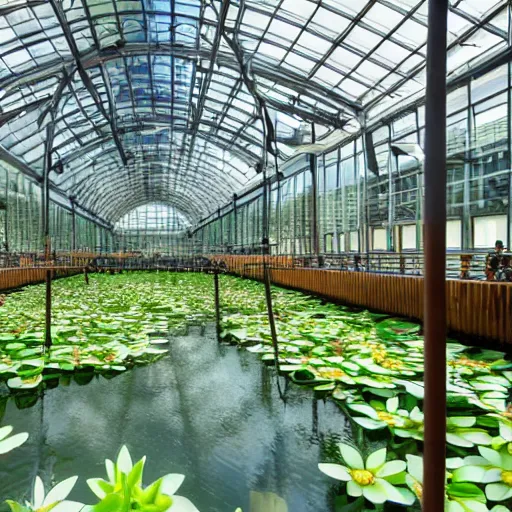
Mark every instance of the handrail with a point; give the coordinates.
(470, 264)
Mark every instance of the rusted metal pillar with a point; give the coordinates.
(434, 454)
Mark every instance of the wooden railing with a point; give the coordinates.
(475, 308)
(12, 278)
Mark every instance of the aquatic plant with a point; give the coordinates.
(54, 501)
(493, 468)
(124, 490)
(461, 430)
(370, 479)
(371, 364)
(7, 443)
(459, 497)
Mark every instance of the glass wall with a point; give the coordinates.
(21, 221)
(370, 189)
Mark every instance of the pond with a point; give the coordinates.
(215, 413)
(209, 411)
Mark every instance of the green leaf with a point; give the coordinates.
(341, 504)
(17, 507)
(150, 494)
(466, 491)
(111, 503)
(135, 476)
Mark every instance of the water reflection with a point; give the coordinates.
(211, 412)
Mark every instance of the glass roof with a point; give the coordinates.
(159, 100)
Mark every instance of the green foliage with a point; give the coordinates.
(123, 490)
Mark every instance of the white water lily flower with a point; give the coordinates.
(10, 443)
(493, 468)
(55, 500)
(371, 479)
(458, 497)
(461, 431)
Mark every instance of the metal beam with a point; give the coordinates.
(95, 143)
(434, 453)
(207, 78)
(417, 69)
(93, 58)
(89, 84)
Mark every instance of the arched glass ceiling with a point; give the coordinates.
(153, 217)
(159, 100)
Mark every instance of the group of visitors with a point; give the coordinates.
(497, 266)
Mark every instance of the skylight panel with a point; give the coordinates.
(312, 45)
(328, 24)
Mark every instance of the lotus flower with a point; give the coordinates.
(371, 479)
(10, 443)
(125, 479)
(55, 500)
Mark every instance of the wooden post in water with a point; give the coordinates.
(217, 302)
(48, 312)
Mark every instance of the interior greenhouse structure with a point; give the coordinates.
(254, 255)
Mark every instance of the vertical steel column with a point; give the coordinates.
(220, 231)
(7, 212)
(391, 244)
(73, 227)
(419, 194)
(217, 302)
(366, 205)
(314, 206)
(467, 231)
(278, 213)
(235, 223)
(50, 130)
(509, 131)
(434, 456)
(46, 188)
(314, 193)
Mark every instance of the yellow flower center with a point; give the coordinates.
(464, 361)
(418, 490)
(506, 476)
(331, 373)
(385, 416)
(392, 364)
(362, 477)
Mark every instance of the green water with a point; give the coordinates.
(210, 412)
